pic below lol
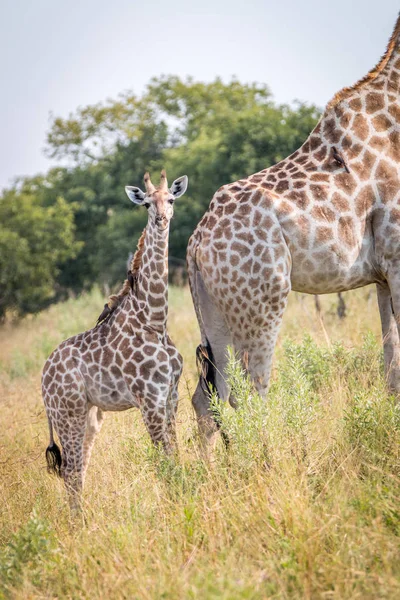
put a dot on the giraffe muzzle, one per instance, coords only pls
(161, 221)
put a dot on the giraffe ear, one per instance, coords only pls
(179, 187)
(135, 194)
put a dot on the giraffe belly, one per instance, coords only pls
(110, 393)
(330, 272)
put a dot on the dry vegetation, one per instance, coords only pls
(304, 505)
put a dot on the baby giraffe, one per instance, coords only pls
(127, 360)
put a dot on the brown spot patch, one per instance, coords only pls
(374, 102)
(378, 143)
(394, 79)
(360, 127)
(241, 249)
(388, 182)
(211, 222)
(321, 154)
(346, 231)
(359, 169)
(323, 213)
(346, 182)
(323, 234)
(394, 146)
(330, 131)
(346, 142)
(355, 104)
(223, 198)
(299, 184)
(319, 191)
(319, 177)
(299, 198)
(267, 185)
(304, 229)
(345, 120)
(340, 202)
(315, 142)
(353, 151)
(394, 110)
(230, 208)
(381, 123)
(282, 186)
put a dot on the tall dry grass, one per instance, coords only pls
(304, 505)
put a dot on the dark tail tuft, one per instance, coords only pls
(53, 458)
(206, 366)
(207, 372)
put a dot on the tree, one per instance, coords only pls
(34, 241)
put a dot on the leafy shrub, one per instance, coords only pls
(26, 554)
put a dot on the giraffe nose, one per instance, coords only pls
(159, 219)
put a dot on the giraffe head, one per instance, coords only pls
(158, 200)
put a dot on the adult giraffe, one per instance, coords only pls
(126, 361)
(326, 219)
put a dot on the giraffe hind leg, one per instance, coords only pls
(207, 381)
(67, 413)
(94, 421)
(212, 356)
(390, 337)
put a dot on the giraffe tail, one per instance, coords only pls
(53, 454)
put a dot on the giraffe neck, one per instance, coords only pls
(361, 127)
(152, 285)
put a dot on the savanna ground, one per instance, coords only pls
(304, 505)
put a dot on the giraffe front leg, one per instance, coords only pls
(173, 398)
(172, 407)
(155, 418)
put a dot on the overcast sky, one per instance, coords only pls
(58, 55)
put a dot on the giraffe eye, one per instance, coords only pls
(171, 200)
(146, 204)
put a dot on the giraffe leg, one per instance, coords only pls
(390, 335)
(260, 350)
(172, 407)
(71, 432)
(155, 420)
(67, 409)
(94, 421)
(176, 363)
(341, 309)
(219, 338)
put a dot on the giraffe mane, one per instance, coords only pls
(372, 74)
(115, 299)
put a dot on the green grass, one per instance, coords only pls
(304, 505)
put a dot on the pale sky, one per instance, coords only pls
(58, 55)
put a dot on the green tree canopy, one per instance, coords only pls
(34, 242)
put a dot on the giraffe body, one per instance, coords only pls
(126, 361)
(326, 219)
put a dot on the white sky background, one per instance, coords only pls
(57, 55)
